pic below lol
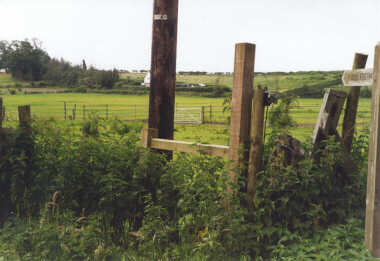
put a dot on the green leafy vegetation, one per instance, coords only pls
(92, 193)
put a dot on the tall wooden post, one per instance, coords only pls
(352, 102)
(163, 68)
(257, 144)
(372, 221)
(241, 107)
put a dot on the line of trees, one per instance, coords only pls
(26, 60)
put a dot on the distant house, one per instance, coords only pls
(147, 80)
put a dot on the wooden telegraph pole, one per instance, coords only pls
(163, 68)
(372, 222)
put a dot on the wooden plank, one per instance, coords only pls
(241, 107)
(372, 222)
(189, 147)
(352, 102)
(329, 114)
(257, 145)
(163, 68)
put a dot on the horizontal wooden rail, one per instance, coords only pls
(149, 140)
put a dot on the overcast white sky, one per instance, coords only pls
(290, 35)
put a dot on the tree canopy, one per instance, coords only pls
(25, 60)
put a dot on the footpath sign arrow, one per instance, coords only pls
(360, 77)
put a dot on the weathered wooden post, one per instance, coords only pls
(372, 222)
(241, 107)
(1, 113)
(203, 114)
(210, 120)
(352, 102)
(257, 144)
(24, 117)
(84, 112)
(329, 114)
(163, 68)
(74, 111)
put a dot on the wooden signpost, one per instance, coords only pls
(372, 222)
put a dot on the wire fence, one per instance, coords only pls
(190, 113)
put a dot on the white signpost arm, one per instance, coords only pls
(359, 77)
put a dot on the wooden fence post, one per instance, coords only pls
(210, 120)
(329, 114)
(257, 145)
(24, 117)
(74, 112)
(163, 68)
(372, 221)
(65, 110)
(147, 135)
(106, 111)
(352, 102)
(203, 114)
(1, 113)
(241, 107)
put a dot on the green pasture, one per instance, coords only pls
(274, 81)
(128, 107)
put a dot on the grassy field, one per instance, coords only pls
(274, 82)
(135, 107)
(127, 107)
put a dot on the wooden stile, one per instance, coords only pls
(352, 102)
(241, 107)
(372, 222)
